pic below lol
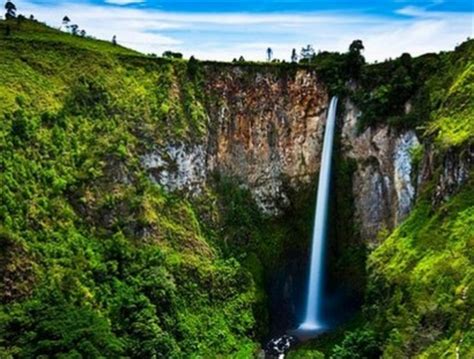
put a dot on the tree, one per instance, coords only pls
(82, 33)
(356, 46)
(172, 55)
(269, 54)
(307, 53)
(114, 40)
(66, 21)
(11, 10)
(355, 59)
(192, 68)
(74, 29)
(294, 56)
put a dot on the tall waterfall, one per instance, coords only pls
(313, 319)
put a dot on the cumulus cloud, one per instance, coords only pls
(224, 36)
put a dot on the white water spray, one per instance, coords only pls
(313, 320)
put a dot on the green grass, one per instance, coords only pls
(39, 35)
(422, 280)
(454, 121)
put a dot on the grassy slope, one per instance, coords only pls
(95, 264)
(453, 97)
(422, 280)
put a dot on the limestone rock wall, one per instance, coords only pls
(384, 183)
(265, 129)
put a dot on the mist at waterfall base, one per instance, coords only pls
(288, 289)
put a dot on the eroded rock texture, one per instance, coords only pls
(267, 132)
(384, 184)
(455, 171)
(265, 129)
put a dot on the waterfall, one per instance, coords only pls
(313, 319)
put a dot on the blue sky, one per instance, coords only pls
(212, 29)
(387, 7)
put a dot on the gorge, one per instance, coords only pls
(155, 207)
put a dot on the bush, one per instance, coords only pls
(359, 344)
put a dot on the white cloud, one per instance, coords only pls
(124, 2)
(223, 36)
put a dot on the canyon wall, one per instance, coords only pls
(265, 130)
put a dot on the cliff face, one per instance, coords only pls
(266, 130)
(385, 182)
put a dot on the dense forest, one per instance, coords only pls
(98, 260)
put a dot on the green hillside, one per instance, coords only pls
(98, 261)
(93, 264)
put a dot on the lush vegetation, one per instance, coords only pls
(432, 91)
(418, 300)
(421, 282)
(97, 260)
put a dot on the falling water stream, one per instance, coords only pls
(313, 320)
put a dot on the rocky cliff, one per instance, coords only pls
(263, 129)
(266, 129)
(385, 181)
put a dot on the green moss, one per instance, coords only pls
(420, 280)
(454, 121)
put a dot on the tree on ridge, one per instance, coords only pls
(74, 29)
(11, 10)
(294, 56)
(269, 54)
(307, 53)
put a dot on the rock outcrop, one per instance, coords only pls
(265, 129)
(384, 183)
(455, 171)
